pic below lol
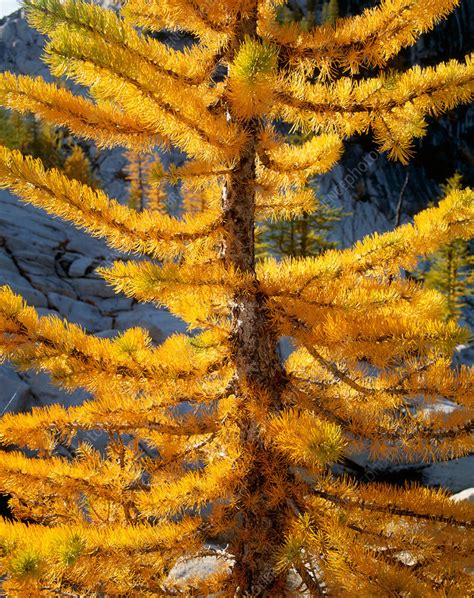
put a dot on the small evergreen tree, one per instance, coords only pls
(450, 270)
(330, 12)
(233, 428)
(42, 140)
(146, 189)
(14, 130)
(77, 166)
(32, 137)
(302, 236)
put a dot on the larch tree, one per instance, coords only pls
(330, 11)
(41, 140)
(450, 270)
(77, 166)
(211, 436)
(303, 236)
(142, 193)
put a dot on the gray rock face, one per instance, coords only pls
(90, 287)
(21, 47)
(51, 264)
(81, 267)
(456, 475)
(15, 394)
(79, 312)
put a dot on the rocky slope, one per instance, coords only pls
(51, 264)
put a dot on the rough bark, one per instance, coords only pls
(258, 368)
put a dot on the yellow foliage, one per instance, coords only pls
(212, 24)
(210, 435)
(378, 255)
(69, 554)
(293, 164)
(146, 233)
(307, 439)
(191, 490)
(394, 107)
(75, 358)
(100, 121)
(370, 39)
(176, 287)
(252, 79)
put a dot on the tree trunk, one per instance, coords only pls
(258, 368)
